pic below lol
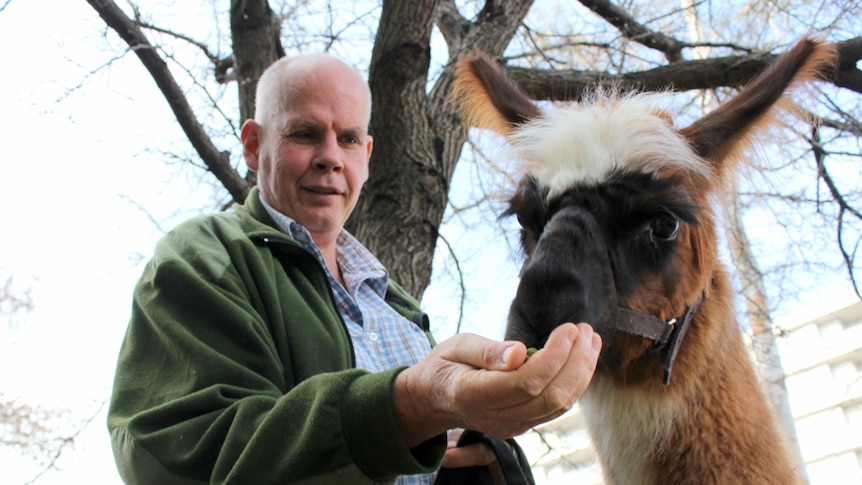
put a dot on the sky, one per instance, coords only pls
(79, 167)
(72, 176)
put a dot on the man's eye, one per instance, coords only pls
(350, 140)
(302, 137)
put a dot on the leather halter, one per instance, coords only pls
(667, 335)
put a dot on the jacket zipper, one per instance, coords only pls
(273, 241)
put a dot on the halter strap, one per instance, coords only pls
(666, 335)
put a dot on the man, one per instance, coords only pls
(266, 345)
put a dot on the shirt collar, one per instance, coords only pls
(355, 260)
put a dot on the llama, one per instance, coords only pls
(618, 222)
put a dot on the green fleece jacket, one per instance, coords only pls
(237, 368)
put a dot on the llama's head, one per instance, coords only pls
(615, 204)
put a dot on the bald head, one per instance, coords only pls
(281, 81)
(309, 143)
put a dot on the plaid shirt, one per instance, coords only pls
(382, 338)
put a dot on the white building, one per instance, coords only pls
(822, 359)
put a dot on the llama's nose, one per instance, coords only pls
(568, 278)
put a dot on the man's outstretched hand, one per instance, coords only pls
(472, 382)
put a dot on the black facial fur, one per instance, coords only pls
(607, 237)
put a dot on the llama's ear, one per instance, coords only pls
(720, 134)
(487, 98)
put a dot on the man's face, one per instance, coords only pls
(312, 159)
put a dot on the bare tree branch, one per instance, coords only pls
(565, 85)
(632, 29)
(452, 25)
(460, 282)
(222, 65)
(200, 45)
(66, 441)
(13, 300)
(31, 429)
(217, 162)
(845, 207)
(850, 128)
(703, 74)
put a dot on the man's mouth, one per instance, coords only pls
(323, 190)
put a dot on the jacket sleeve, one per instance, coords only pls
(209, 390)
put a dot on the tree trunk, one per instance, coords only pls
(403, 201)
(767, 360)
(419, 139)
(256, 34)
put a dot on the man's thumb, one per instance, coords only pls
(513, 356)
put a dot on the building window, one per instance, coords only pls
(847, 373)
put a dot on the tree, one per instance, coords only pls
(40, 432)
(32, 430)
(28, 428)
(556, 57)
(35, 431)
(14, 302)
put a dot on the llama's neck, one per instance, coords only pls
(626, 427)
(710, 425)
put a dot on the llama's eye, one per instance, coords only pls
(665, 226)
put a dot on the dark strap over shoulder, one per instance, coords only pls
(513, 463)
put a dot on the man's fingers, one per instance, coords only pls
(571, 379)
(500, 390)
(492, 355)
(482, 384)
(548, 387)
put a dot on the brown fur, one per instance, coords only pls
(712, 424)
(488, 100)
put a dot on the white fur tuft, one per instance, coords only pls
(584, 143)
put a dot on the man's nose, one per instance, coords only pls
(328, 156)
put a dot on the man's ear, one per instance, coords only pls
(250, 133)
(369, 146)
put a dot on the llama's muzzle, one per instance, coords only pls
(569, 278)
